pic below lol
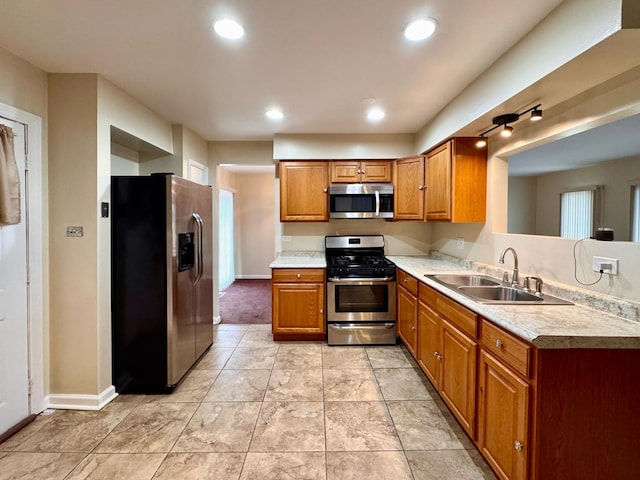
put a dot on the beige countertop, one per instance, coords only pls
(545, 326)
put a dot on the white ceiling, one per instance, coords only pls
(317, 60)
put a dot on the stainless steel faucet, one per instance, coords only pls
(514, 275)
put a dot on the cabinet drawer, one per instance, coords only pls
(297, 275)
(507, 348)
(408, 282)
(464, 319)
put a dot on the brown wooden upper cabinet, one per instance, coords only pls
(360, 171)
(304, 188)
(448, 184)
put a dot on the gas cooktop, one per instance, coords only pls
(357, 256)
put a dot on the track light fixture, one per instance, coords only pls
(504, 120)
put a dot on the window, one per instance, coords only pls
(578, 213)
(635, 213)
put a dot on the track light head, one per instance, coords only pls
(507, 131)
(482, 142)
(536, 115)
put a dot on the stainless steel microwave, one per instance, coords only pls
(361, 200)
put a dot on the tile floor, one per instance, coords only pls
(256, 409)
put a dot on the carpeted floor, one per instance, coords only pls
(246, 301)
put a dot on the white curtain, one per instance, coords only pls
(577, 213)
(9, 179)
(635, 214)
(226, 272)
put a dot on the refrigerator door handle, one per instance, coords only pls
(199, 267)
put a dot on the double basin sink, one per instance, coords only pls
(484, 289)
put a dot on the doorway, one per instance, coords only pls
(21, 287)
(247, 242)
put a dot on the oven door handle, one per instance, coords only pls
(352, 280)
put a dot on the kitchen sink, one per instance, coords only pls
(465, 280)
(484, 289)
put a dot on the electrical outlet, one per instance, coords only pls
(607, 265)
(75, 232)
(460, 243)
(286, 238)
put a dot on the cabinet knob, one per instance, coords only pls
(299, 276)
(322, 310)
(413, 328)
(498, 344)
(437, 355)
(517, 445)
(420, 187)
(406, 280)
(325, 190)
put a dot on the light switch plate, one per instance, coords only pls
(75, 231)
(460, 243)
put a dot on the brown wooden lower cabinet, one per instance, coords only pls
(298, 303)
(407, 302)
(534, 414)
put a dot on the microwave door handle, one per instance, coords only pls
(377, 203)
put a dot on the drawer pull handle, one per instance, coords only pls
(498, 344)
(517, 445)
(298, 276)
(406, 280)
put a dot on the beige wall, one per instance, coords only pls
(327, 147)
(255, 230)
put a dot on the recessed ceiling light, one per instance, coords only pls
(228, 28)
(420, 29)
(375, 114)
(274, 114)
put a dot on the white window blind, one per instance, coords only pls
(635, 213)
(577, 213)
(226, 271)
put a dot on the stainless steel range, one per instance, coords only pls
(361, 291)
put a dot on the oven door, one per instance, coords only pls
(361, 300)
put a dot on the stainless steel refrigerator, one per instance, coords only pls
(161, 280)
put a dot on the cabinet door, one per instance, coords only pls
(407, 319)
(304, 190)
(458, 383)
(429, 343)
(345, 171)
(503, 418)
(298, 308)
(373, 172)
(409, 188)
(438, 180)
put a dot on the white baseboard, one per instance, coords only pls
(65, 401)
(253, 277)
(216, 320)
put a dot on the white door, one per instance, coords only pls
(14, 342)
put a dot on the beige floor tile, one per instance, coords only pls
(193, 387)
(239, 386)
(232, 326)
(257, 338)
(149, 428)
(367, 465)
(344, 357)
(253, 358)
(132, 466)
(201, 466)
(295, 385)
(219, 427)
(289, 427)
(350, 384)
(449, 465)
(227, 338)
(422, 426)
(299, 357)
(68, 430)
(214, 359)
(360, 426)
(404, 384)
(284, 466)
(390, 357)
(37, 466)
